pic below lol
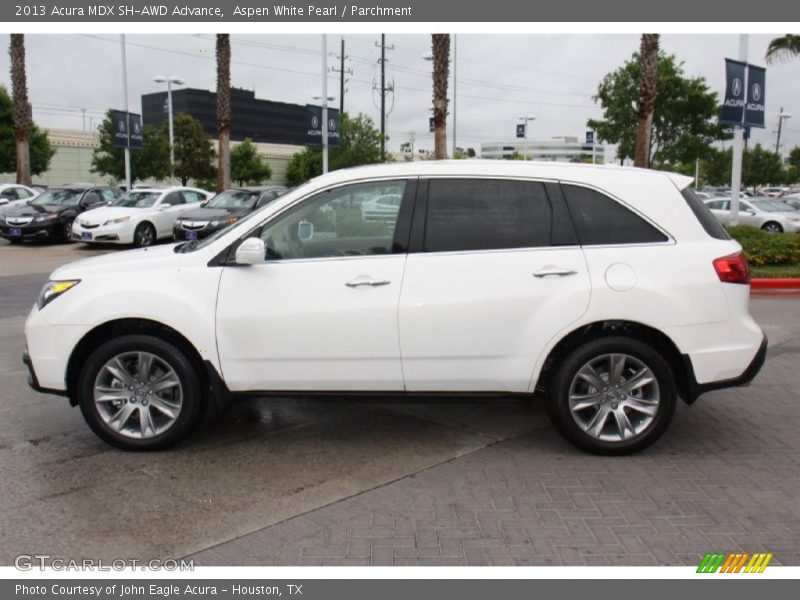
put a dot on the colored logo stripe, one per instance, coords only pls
(734, 562)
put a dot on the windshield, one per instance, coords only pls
(57, 198)
(234, 199)
(137, 200)
(771, 206)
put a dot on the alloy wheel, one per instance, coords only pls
(138, 395)
(614, 397)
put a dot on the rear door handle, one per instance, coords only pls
(367, 281)
(554, 271)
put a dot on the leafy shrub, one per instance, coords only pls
(764, 248)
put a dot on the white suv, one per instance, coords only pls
(610, 291)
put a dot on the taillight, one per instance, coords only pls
(733, 268)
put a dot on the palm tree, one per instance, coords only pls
(224, 110)
(646, 104)
(441, 69)
(783, 48)
(22, 109)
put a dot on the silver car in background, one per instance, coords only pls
(773, 216)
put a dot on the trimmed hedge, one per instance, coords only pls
(764, 248)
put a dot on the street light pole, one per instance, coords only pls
(324, 103)
(169, 81)
(525, 120)
(127, 117)
(782, 116)
(738, 143)
(455, 83)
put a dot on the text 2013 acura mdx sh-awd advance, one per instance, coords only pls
(610, 291)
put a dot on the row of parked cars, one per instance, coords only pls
(104, 214)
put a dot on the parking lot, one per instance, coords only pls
(300, 481)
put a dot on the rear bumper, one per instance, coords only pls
(695, 389)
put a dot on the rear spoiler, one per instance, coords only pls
(681, 181)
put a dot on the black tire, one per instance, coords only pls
(193, 403)
(66, 231)
(558, 395)
(144, 235)
(772, 227)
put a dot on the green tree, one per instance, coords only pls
(39, 146)
(684, 121)
(761, 167)
(247, 166)
(193, 150)
(150, 162)
(793, 167)
(360, 145)
(715, 169)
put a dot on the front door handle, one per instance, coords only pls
(554, 271)
(367, 281)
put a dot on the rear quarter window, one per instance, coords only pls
(601, 220)
(709, 222)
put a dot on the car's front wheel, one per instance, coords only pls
(140, 392)
(772, 227)
(144, 235)
(612, 395)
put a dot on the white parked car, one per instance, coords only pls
(140, 217)
(769, 214)
(15, 194)
(611, 291)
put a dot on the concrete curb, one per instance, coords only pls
(778, 283)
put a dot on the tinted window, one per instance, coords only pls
(191, 196)
(715, 205)
(602, 220)
(109, 195)
(91, 197)
(173, 199)
(344, 221)
(485, 214)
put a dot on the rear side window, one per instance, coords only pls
(601, 220)
(709, 222)
(486, 214)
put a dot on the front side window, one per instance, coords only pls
(601, 220)
(486, 214)
(351, 220)
(108, 194)
(191, 196)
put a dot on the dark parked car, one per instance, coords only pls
(222, 210)
(50, 215)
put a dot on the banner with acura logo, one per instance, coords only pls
(744, 94)
(314, 126)
(754, 110)
(128, 130)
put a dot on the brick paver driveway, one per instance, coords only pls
(725, 477)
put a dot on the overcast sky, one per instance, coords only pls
(500, 77)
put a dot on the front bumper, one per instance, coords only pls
(33, 381)
(27, 232)
(694, 389)
(182, 235)
(118, 233)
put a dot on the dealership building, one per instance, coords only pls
(277, 129)
(558, 149)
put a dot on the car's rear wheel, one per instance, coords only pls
(612, 395)
(772, 227)
(144, 235)
(140, 392)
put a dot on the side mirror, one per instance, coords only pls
(251, 252)
(203, 202)
(305, 231)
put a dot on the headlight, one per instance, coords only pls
(115, 221)
(46, 217)
(793, 219)
(53, 289)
